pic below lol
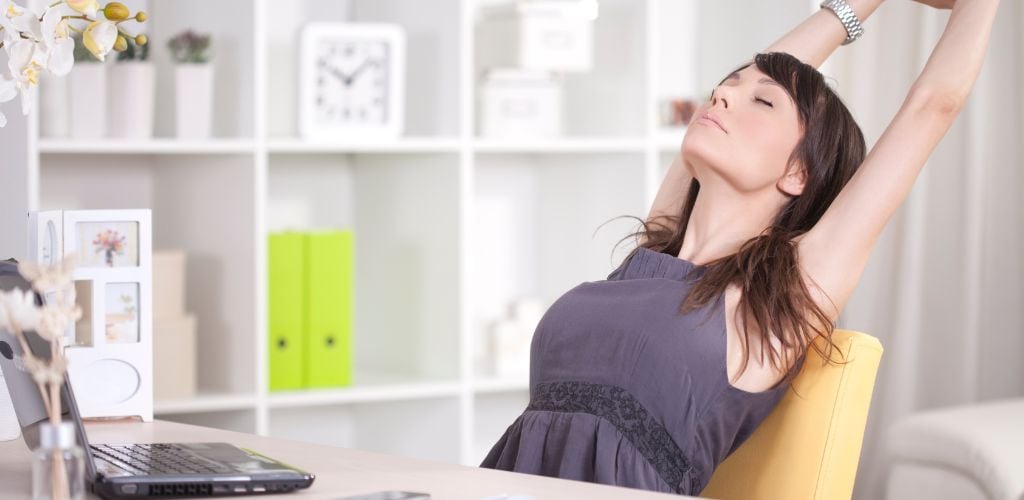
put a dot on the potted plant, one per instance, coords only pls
(131, 92)
(193, 79)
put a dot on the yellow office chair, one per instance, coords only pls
(808, 448)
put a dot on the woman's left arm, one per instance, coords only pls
(835, 251)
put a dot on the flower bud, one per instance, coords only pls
(141, 40)
(141, 17)
(116, 11)
(120, 44)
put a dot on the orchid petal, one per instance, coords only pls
(20, 55)
(99, 38)
(62, 57)
(8, 88)
(3, 123)
(51, 19)
(87, 7)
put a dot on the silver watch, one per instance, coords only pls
(845, 13)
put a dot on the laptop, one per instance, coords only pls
(140, 470)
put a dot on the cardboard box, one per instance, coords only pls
(168, 284)
(174, 358)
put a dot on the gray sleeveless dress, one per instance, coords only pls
(626, 391)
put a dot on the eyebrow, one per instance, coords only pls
(736, 76)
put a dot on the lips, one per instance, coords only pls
(714, 119)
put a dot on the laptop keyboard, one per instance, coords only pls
(149, 459)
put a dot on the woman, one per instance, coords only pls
(651, 378)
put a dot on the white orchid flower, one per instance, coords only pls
(21, 310)
(87, 7)
(99, 38)
(59, 44)
(8, 91)
(16, 19)
(25, 66)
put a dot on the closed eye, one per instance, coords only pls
(770, 105)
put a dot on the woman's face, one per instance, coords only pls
(760, 127)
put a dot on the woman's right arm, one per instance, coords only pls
(813, 40)
(672, 193)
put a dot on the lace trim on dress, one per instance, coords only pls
(620, 408)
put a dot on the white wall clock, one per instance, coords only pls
(352, 81)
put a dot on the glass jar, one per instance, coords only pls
(58, 464)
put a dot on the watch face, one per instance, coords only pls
(350, 81)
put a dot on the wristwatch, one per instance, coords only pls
(845, 13)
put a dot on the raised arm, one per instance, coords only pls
(835, 252)
(813, 40)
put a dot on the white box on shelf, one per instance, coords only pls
(520, 103)
(174, 370)
(555, 35)
(168, 284)
(109, 351)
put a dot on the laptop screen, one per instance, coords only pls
(28, 402)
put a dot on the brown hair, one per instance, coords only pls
(765, 268)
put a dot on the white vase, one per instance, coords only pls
(193, 93)
(87, 95)
(10, 429)
(130, 99)
(53, 106)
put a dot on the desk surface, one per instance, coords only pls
(339, 471)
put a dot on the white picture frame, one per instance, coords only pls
(314, 36)
(109, 351)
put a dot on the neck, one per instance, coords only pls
(724, 219)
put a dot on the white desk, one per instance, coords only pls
(339, 471)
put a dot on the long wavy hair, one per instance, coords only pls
(765, 267)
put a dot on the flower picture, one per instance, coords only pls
(109, 244)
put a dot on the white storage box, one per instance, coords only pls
(555, 35)
(174, 358)
(520, 103)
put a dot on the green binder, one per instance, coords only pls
(329, 296)
(286, 288)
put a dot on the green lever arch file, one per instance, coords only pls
(329, 300)
(286, 254)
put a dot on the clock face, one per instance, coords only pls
(351, 81)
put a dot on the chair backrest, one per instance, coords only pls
(809, 445)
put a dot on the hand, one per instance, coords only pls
(938, 4)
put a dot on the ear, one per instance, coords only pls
(793, 182)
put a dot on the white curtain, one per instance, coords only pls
(944, 288)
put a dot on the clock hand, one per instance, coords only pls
(368, 62)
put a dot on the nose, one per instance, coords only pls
(719, 96)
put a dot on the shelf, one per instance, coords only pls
(205, 403)
(364, 394)
(151, 146)
(402, 145)
(496, 385)
(562, 145)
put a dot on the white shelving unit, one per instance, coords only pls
(431, 268)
